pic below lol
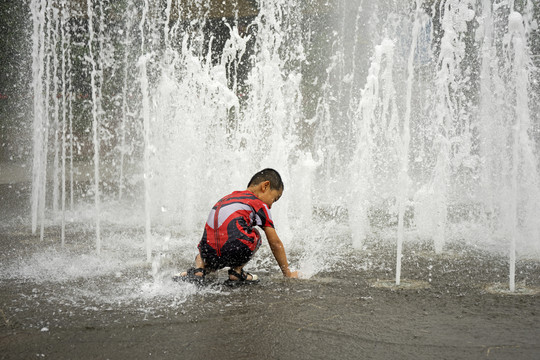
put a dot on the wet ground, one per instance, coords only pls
(69, 303)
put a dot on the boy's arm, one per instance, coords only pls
(279, 252)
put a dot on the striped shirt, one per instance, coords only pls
(234, 217)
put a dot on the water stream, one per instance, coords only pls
(395, 121)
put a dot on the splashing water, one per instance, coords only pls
(387, 120)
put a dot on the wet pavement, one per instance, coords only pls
(335, 314)
(70, 303)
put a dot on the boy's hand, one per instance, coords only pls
(293, 274)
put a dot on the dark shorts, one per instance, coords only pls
(233, 253)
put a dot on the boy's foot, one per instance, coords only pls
(191, 275)
(241, 278)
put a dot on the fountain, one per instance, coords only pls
(400, 121)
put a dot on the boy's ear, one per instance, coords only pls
(265, 185)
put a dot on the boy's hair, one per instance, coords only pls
(267, 175)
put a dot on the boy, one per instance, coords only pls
(230, 239)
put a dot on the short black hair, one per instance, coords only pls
(267, 175)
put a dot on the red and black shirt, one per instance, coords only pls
(234, 217)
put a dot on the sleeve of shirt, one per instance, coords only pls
(263, 217)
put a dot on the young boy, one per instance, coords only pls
(230, 238)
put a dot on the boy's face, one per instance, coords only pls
(270, 196)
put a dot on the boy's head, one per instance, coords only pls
(270, 175)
